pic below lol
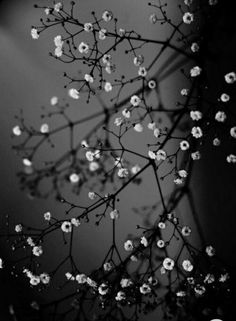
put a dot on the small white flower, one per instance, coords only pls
(178, 181)
(195, 47)
(216, 141)
(160, 244)
(92, 195)
(118, 162)
(66, 227)
(120, 296)
(44, 129)
(145, 289)
(199, 289)
(152, 84)
(220, 116)
(75, 222)
(186, 231)
(123, 172)
(37, 250)
(188, 17)
(224, 277)
(195, 71)
(97, 154)
(126, 113)
(197, 132)
(125, 283)
(88, 78)
(84, 144)
(184, 92)
(89, 155)
(34, 33)
(93, 166)
(162, 225)
(196, 155)
(231, 158)
(151, 126)
(107, 266)
(195, 115)
(153, 281)
(30, 241)
(58, 52)
(73, 93)
(144, 241)
(151, 154)
(171, 216)
(47, 216)
(168, 264)
(54, 101)
(161, 155)
(58, 7)
(230, 78)
(187, 265)
(138, 60)
(114, 215)
(74, 178)
(106, 59)
(135, 100)
(118, 121)
(58, 41)
(107, 16)
(121, 32)
(28, 273)
(181, 294)
(18, 228)
(224, 98)
(69, 276)
(27, 162)
(47, 11)
(142, 72)
(108, 87)
(91, 282)
(103, 289)
(135, 169)
(233, 132)
(81, 278)
(128, 245)
(188, 2)
(156, 132)
(182, 173)
(209, 278)
(110, 68)
(17, 130)
(88, 26)
(153, 18)
(45, 278)
(191, 280)
(83, 48)
(162, 270)
(102, 34)
(134, 258)
(210, 251)
(34, 280)
(138, 128)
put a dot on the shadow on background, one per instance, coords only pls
(29, 78)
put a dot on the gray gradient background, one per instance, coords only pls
(29, 77)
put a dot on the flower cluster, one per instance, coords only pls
(159, 266)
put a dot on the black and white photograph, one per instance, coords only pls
(118, 160)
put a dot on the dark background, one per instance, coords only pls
(29, 77)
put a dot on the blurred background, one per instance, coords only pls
(29, 78)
